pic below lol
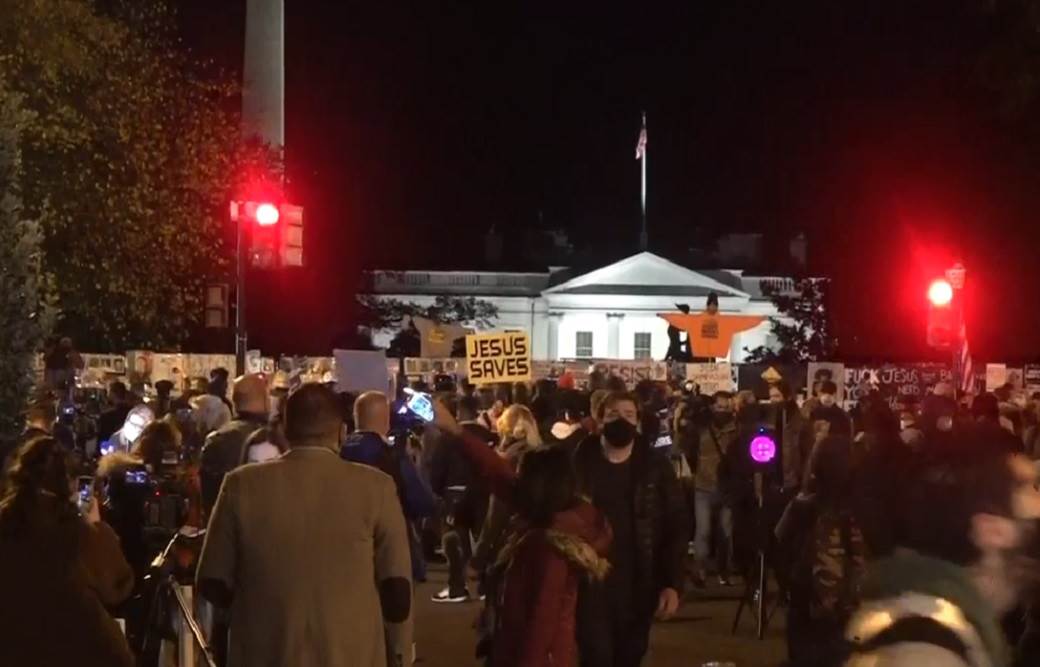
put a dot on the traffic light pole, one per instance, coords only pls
(241, 338)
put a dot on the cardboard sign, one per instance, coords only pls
(361, 370)
(498, 357)
(632, 372)
(711, 378)
(897, 383)
(996, 376)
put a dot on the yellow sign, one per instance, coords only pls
(498, 357)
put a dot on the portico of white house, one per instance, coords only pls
(608, 313)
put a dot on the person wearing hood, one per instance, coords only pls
(968, 552)
(557, 541)
(635, 487)
(570, 428)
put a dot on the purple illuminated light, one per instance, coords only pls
(763, 449)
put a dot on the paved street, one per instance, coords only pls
(700, 633)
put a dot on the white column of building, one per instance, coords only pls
(614, 335)
(554, 335)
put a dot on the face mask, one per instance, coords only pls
(619, 433)
(827, 400)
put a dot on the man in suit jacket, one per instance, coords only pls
(309, 584)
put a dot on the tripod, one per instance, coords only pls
(756, 584)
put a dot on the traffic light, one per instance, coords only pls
(274, 230)
(943, 315)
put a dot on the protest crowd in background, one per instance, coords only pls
(573, 512)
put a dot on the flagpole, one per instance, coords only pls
(644, 239)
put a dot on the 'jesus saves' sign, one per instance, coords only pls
(498, 357)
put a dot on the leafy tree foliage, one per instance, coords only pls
(130, 158)
(381, 314)
(25, 313)
(802, 331)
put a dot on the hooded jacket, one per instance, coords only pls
(536, 626)
(910, 585)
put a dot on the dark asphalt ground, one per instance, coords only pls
(700, 633)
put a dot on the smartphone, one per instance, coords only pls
(136, 477)
(85, 486)
(421, 404)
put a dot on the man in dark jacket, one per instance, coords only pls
(464, 497)
(222, 452)
(636, 488)
(112, 420)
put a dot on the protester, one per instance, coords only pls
(707, 447)
(792, 427)
(519, 435)
(218, 386)
(464, 497)
(570, 427)
(968, 554)
(307, 587)
(210, 414)
(823, 532)
(559, 541)
(58, 570)
(829, 411)
(112, 420)
(368, 445)
(223, 450)
(636, 489)
(123, 440)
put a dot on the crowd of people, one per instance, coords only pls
(895, 533)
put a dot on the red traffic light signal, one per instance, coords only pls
(266, 214)
(940, 293)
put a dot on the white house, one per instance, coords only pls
(608, 313)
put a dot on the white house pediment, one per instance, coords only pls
(645, 273)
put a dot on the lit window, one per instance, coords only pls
(583, 345)
(642, 346)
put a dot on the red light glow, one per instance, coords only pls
(266, 215)
(940, 293)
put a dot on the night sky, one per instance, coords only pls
(414, 127)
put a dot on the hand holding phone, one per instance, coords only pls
(421, 404)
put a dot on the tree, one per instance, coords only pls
(382, 314)
(25, 312)
(802, 330)
(129, 161)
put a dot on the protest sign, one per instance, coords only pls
(820, 372)
(1031, 378)
(758, 377)
(498, 357)
(361, 370)
(632, 372)
(897, 383)
(996, 376)
(711, 378)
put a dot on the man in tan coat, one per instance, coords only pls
(310, 553)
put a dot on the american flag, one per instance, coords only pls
(641, 144)
(965, 365)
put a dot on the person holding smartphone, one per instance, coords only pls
(60, 567)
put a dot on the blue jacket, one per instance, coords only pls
(370, 449)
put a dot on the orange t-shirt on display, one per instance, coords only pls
(712, 335)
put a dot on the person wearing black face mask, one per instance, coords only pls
(636, 488)
(706, 453)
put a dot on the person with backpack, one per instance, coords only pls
(824, 535)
